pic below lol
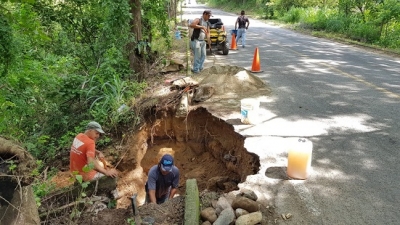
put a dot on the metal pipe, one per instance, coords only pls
(134, 206)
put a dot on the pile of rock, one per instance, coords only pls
(240, 210)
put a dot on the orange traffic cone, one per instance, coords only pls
(255, 68)
(233, 42)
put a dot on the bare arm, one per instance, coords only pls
(99, 168)
(99, 154)
(248, 23)
(195, 25)
(237, 20)
(152, 196)
(172, 193)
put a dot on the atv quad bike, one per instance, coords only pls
(218, 36)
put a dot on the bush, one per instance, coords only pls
(338, 23)
(293, 15)
(364, 32)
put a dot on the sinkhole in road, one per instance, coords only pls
(204, 147)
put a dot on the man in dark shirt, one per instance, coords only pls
(201, 34)
(163, 181)
(243, 23)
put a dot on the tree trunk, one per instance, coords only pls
(136, 30)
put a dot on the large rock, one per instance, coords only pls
(240, 212)
(249, 219)
(248, 194)
(245, 203)
(226, 217)
(221, 205)
(209, 214)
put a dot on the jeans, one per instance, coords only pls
(241, 33)
(199, 51)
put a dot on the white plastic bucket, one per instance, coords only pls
(249, 110)
(299, 159)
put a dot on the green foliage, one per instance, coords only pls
(293, 15)
(284, 6)
(268, 9)
(131, 221)
(6, 53)
(364, 32)
(11, 165)
(56, 59)
(76, 212)
(337, 24)
(391, 37)
(41, 187)
(112, 204)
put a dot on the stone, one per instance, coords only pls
(245, 203)
(222, 204)
(209, 214)
(248, 194)
(226, 217)
(240, 212)
(249, 219)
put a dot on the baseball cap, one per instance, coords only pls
(166, 162)
(95, 126)
(207, 12)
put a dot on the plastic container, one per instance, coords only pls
(177, 35)
(249, 110)
(299, 159)
(234, 32)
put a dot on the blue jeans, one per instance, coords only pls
(199, 51)
(241, 33)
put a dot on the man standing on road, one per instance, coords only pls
(163, 181)
(83, 154)
(244, 23)
(201, 32)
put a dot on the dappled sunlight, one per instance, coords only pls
(329, 61)
(348, 87)
(339, 103)
(272, 124)
(339, 175)
(297, 69)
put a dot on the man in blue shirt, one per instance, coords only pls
(163, 181)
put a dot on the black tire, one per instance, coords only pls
(225, 49)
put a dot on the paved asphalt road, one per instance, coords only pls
(344, 99)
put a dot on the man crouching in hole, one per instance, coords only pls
(163, 181)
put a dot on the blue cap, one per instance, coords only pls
(166, 162)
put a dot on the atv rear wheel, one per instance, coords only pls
(225, 48)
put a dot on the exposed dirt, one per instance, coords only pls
(205, 147)
(204, 144)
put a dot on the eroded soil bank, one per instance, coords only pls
(205, 148)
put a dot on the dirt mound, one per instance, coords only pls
(231, 84)
(231, 81)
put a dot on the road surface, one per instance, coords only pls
(345, 100)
